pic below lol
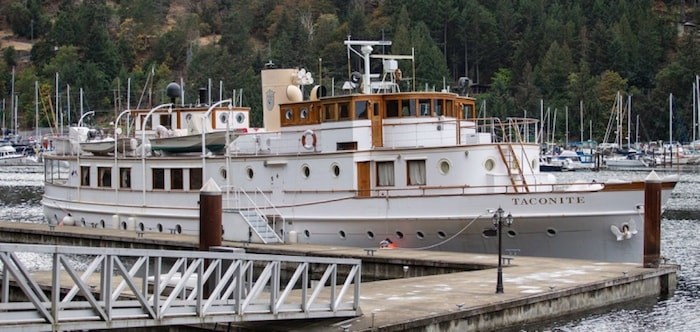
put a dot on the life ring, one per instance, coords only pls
(308, 139)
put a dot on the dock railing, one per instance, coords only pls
(98, 288)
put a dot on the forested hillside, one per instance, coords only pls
(518, 52)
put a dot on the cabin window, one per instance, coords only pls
(176, 180)
(195, 178)
(346, 146)
(444, 166)
(385, 173)
(361, 109)
(392, 108)
(158, 178)
(124, 177)
(305, 171)
(329, 112)
(165, 120)
(467, 111)
(240, 117)
(344, 110)
(249, 173)
(424, 107)
(148, 125)
(449, 110)
(408, 108)
(416, 172)
(104, 177)
(304, 113)
(85, 176)
(438, 107)
(335, 168)
(223, 117)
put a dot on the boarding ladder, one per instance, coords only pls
(258, 221)
(511, 161)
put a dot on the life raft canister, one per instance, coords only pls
(308, 139)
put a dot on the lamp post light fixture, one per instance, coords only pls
(498, 221)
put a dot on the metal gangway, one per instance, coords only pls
(101, 288)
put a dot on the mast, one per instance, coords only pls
(36, 110)
(670, 118)
(566, 129)
(13, 105)
(580, 107)
(629, 119)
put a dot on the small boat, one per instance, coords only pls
(10, 156)
(100, 147)
(215, 142)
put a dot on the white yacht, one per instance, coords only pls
(355, 169)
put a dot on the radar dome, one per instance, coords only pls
(172, 91)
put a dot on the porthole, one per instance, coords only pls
(489, 233)
(159, 227)
(240, 117)
(399, 234)
(82, 222)
(304, 113)
(223, 172)
(370, 235)
(250, 173)
(188, 117)
(305, 171)
(281, 232)
(142, 227)
(512, 233)
(551, 232)
(222, 232)
(441, 234)
(102, 223)
(335, 168)
(420, 235)
(341, 234)
(124, 225)
(307, 233)
(288, 114)
(444, 166)
(178, 229)
(489, 164)
(223, 117)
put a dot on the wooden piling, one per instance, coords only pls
(209, 216)
(652, 220)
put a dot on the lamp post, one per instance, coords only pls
(498, 221)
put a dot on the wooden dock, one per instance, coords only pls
(422, 290)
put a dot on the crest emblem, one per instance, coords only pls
(269, 100)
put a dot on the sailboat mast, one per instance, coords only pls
(629, 120)
(580, 107)
(670, 118)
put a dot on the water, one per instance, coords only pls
(22, 187)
